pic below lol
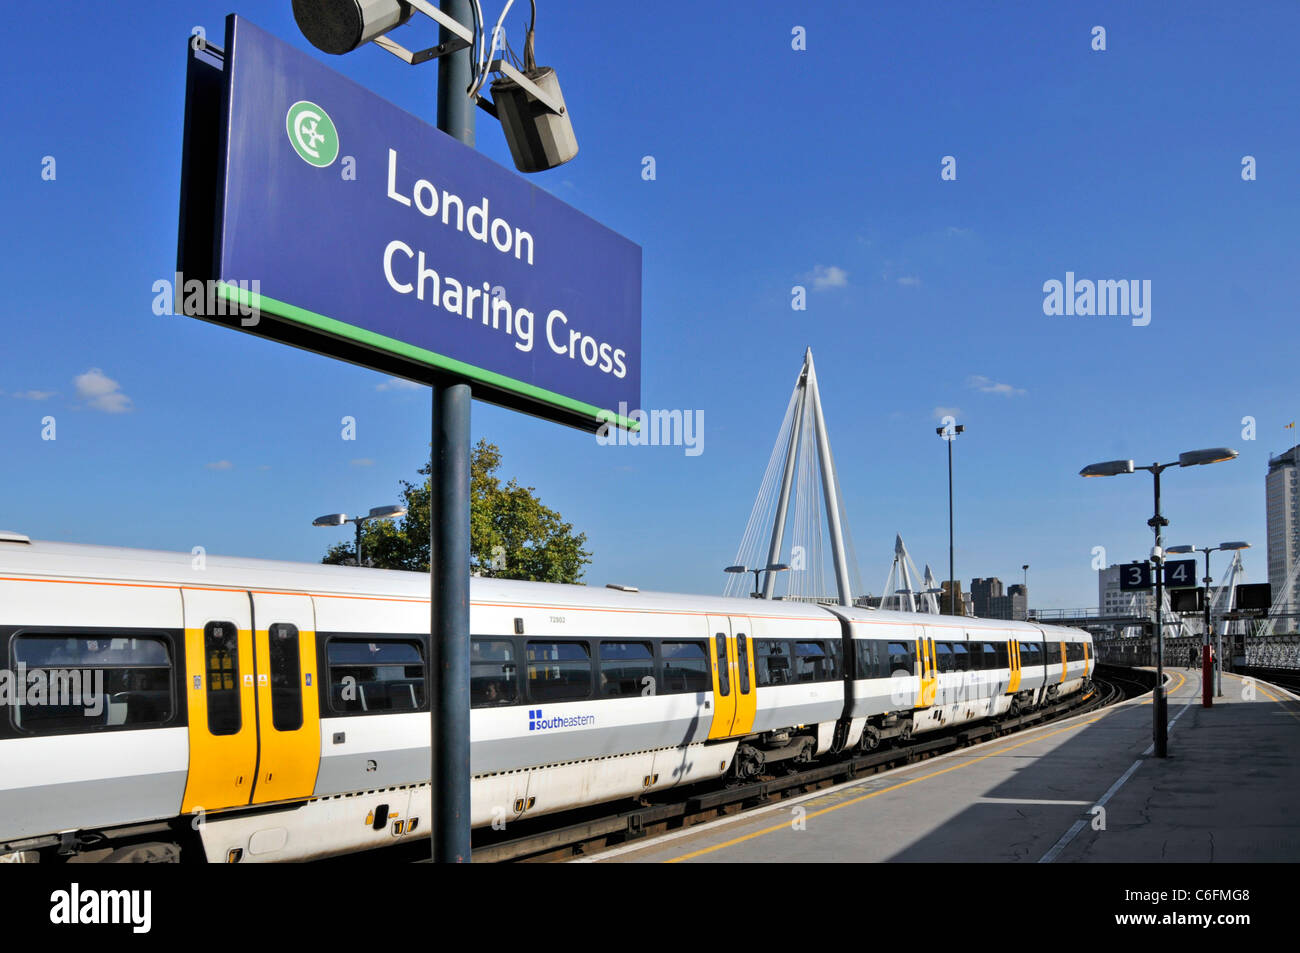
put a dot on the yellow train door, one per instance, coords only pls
(746, 690)
(220, 699)
(929, 670)
(1013, 655)
(287, 697)
(722, 663)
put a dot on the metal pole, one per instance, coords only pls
(787, 480)
(358, 523)
(449, 539)
(829, 491)
(1160, 729)
(1206, 699)
(952, 579)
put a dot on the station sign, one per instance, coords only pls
(330, 219)
(1180, 574)
(1134, 576)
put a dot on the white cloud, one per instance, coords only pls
(986, 385)
(220, 465)
(363, 462)
(941, 412)
(398, 383)
(102, 392)
(911, 281)
(955, 232)
(35, 394)
(831, 276)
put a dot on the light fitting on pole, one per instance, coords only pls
(528, 103)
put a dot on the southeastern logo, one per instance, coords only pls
(312, 133)
(537, 723)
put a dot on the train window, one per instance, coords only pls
(558, 671)
(772, 661)
(724, 681)
(989, 656)
(686, 667)
(373, 674)
(943, 652)
(624, 668)
(1001, 653)
(493, 673)
(1053, 653)
(866, 657)
(89, 681)
(1030, 654)
(286, 678)
(813, 663)
(1074, 651)
(742, 658)
(902, 658)
(975, 655)
(961, 661)
(221, 659)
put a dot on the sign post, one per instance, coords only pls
(317, 214)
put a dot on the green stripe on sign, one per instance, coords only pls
(290, 312)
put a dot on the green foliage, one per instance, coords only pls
(511, 534)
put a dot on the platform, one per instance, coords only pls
(1083, 789)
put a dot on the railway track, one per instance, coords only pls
(579, 833)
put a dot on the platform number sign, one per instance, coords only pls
(1135, 576)
(1180, 574)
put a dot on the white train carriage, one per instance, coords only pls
(256, 710)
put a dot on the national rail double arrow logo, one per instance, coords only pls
(312, 133)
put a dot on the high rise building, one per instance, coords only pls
(1112, 600)
(1283, 521)
(982, 593)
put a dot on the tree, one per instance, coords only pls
(512, 535)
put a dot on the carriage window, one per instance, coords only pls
(814, 663)
(742, 656)
(943, 652)
(960, 657)
(772, 660)
(865, 658)
(902, 658)
(686, 667)
(724, 682)
(975, 653)
(990, 655)
(625, 667)
(372, 674)
(92, 681)
(286, 679)
(1002, 654)
(1053, 653)
(493, 673)
(1030, 654)
(559, 671)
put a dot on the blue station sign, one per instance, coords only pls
(328, 218)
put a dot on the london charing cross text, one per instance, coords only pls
(407, 272)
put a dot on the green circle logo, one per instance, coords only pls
(312, 133)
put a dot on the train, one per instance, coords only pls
(168, 706)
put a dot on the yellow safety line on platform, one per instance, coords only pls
(826, 810)
(1280, 701)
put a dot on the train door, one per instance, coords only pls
(1013, 657)
(929, 668)
(287, 697)
(745, 688)
(722, 663)
(221, 699)
(1065, 662)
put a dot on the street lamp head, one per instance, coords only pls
(735, 569)
(777, 567)
(1180, 549)
(1198, 458)
(1109, 468)
(340, 26)
(386, 512)
(1231, 546)
(332, 519)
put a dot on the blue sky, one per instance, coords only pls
(772, 166)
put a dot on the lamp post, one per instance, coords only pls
(377, 513)
(1218, 667)
(1193, 458)
(774, 567)
(949, 433)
